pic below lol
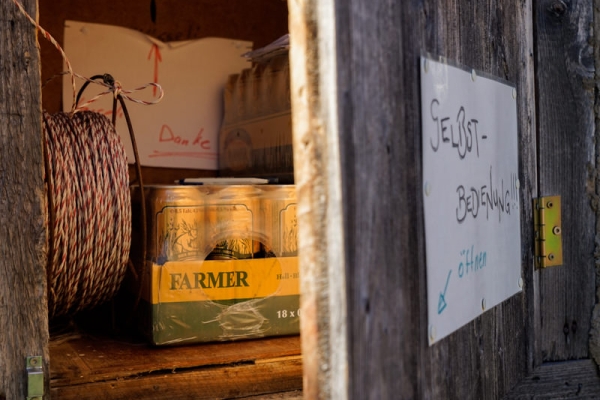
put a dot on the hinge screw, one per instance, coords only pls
(551, 256)
(556, 230)
(550, 204)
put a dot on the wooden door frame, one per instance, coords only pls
(567, 60)
(23, 307)
(318, 186)
(317, 65)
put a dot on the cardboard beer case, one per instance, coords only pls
(220, 264)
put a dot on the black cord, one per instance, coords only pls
(107, 78)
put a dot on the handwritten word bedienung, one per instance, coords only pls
(473, 262)
(470, 201)
(462, 134)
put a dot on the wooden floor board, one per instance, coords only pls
(99, 367)
(294, 395)
(577, 379)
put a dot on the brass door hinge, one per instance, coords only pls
(35, 378)
(548, 229)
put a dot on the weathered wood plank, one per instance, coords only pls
(210, 383)
(595, 323)
(565, 76)
(313, 66)
(376, 128)
(295, 395)
(95, 358)
(384, 212)
(23, 309)
(560, 380)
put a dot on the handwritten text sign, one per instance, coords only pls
(181, 131)
(471, 194)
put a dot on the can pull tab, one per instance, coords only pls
(35, 378)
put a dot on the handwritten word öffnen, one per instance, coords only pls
(474, 261)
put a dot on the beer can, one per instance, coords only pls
(232, 215)
(196, 222)
(278, 220)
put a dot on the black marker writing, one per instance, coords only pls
(484, 197)
(461, 133)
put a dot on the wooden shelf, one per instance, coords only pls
(97, 367)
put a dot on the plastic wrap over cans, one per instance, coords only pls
(220, 264)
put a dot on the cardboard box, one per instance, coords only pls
(256, 135)
(221, 263)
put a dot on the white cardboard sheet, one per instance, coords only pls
(471, 194)
(182, 130)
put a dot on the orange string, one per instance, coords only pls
(116, 89)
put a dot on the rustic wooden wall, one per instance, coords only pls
(369, 125)
(23, 308)
(566, 120)
(317, 177)
(380, 138)
(595, 324)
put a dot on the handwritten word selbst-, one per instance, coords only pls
(460, 133)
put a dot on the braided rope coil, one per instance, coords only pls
(88, 192)
(87, 179)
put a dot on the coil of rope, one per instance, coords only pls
(89, 207)
(90, 214)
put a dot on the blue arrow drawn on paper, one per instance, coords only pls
(442, 301)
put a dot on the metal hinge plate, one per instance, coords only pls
(548, 230)
(35, 378)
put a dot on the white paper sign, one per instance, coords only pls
(471, 194)
(182, 130)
